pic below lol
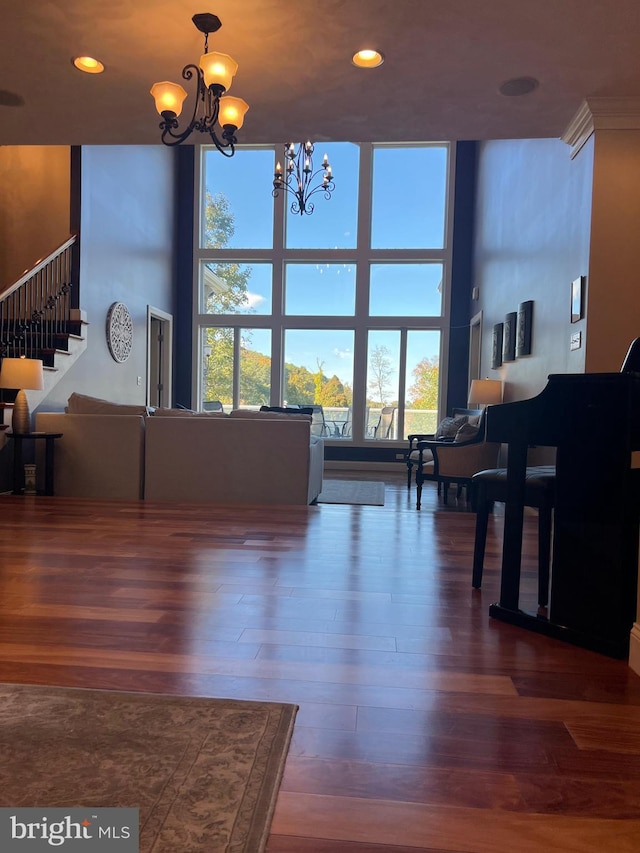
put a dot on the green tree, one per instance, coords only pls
(423, 394)
(380, 371)
(255, 378)
(299, 385)
(225, 292)
(226, 287)
(318, 380)
(334, 393)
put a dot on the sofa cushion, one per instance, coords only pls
(81, 404)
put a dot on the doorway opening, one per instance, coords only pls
(159, 357)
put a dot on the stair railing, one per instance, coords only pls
(35, 311)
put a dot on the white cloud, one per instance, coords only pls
(252, 300)
(343, 353)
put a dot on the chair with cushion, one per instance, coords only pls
(458, 460)
(446, 431)
(491, 485)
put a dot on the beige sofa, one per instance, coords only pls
(232, 460)
(248, 458)
(98, 456)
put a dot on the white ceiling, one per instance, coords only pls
(445, 61)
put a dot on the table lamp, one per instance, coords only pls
(21, 373)
(485, 392)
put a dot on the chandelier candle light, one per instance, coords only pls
(213, 78)
(300, 177)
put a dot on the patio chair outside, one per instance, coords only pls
(318, 424)
(385, 422)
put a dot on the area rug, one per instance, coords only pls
(204, 773)
(352, 492)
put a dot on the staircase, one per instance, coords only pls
(38, 320)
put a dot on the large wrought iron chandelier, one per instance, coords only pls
(300, 177)
(213, 78)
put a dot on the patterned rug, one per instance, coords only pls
(352, 492)
(203, 772)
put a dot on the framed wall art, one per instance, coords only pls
(509, 340)
(525, 328)
(577, 298)
(496, 353)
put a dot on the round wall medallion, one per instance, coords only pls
(119, 331)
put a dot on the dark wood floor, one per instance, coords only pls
(423, 726)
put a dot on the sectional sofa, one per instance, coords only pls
(172, 455)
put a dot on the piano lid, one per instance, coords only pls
(573, 408)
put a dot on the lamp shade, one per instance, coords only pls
(218, 68)
(168, 96)
(22, 373)
(232, 111)
(485, 392)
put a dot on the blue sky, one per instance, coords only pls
(246, 180)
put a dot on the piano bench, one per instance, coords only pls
(491, 485)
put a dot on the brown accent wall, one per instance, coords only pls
(613, 318)
(532, 236)
(34, 205)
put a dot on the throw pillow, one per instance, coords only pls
(448, 427)
(264, 416)
(81, 404)
(185, 413)
(288, 410)
(466, 433)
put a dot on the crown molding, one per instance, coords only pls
(579, 129)
(597, 113)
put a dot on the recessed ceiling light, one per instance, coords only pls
(367, 58)
(519, 86)
(88, 64)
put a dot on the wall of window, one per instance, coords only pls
(346, 309)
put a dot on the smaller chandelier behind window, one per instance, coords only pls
(299, 178)
(213, 78)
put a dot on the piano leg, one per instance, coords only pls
(513, 520)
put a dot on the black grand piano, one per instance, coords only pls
(593, 420)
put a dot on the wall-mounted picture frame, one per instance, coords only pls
(577, 298)
(525, 328)
(509, 338)
(496, 352)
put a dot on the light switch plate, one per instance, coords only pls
(575, 342)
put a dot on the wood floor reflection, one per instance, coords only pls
(423, 726)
